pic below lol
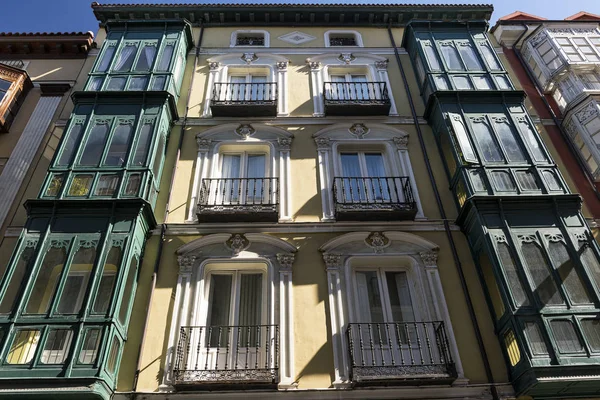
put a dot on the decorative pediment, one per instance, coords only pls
(359, 130)
(244, 132)
(369, 243)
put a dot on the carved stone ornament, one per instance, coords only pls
(296, 37)
(285, 260)
(282, 65)
(213, 66)
(314, 65)
(527, 238)
(401, 141)
(186, 263)
(581, 237)
(249, 58)
(556, 237)
(203, 144)
(377, 241)
(358, 130)
(332, 261)
(500, 238)
(284, 143)
(589, 111)
(323, 143)
(429, 258)
(245, 130)
(571, 129)
(237, 243)
(381, 64)
(88, 244)
(346, 58)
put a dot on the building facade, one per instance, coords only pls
(319, 201)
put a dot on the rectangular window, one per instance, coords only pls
(126, 57)
(4, 87)
(128, 291)
(106, 185)
(119, 145)
(109, 50)
(342, 39)
(146, 57)
(94, 146)
(89, 348)
(71, 143)
(55, 185)
(250, 39)
(113, 354)
(81, 185)
(591, 330)
(112, 266)
(165, 57)
(14, 285)
(566, 337)
(536, 340)
(537, 267)
(485, 138)
(56, 348)
(47, 278)
(23, 347)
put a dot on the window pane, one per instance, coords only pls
(82, 264)
(141, 151)
(111, 364)
(489, 57)
(591, 262)
(16, 280)
(448, 152)
(4, 85)
(369, 297)
(89, 349)
(503, 82)
(507, 137)
(107, 282)
(250, 306)
(512, 276)
(469, 56)
(483, 135)
(463, 138)
(462, 82)
(129, 290)
(400, 301)
(551, 180)
(219, 308)
(116, 83)
(138, 83)
(512, 347)
(55, 185)
(566, 337)
(70, 144)
(144, 62)
(432, 59)
(106, 57)
(81, 184)
(106, 186)
(23, 346)
(503, 181)
(47, 278)
(96, 83)
(133, 185)
(125, 58)
(565, 266)
(56, 349)
(527, 180)
(450, 55)
(591, 330)
(159, 83)
(536, 265)
(530, 138)
(160, 152)
(165, 57)
(95, 145)
(117, 151)
(536, 340)
(482, 82)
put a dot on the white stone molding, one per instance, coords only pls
(296, 37)
(24, 151)
(411, 253)
(272, 65)
(392, 142)
(189, 306)
(357, 37)
(234, 35)
(279, 142)
(323, 65)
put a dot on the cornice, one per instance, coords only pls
(45, 45)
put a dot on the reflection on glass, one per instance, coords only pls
(94, 145)
(55, 185)
(23, 346)
(57, 346)
(47, 279)
(16, 280)
(70, 145)
(107, 185)
(119, 144)
(89, 349)
(81, 184)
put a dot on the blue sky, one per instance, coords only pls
(76, 15)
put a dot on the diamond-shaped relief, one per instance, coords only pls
(296, 37)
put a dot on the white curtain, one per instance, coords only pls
(250, 310)
(337, 90)
(351, 186)
(228, 191)
(257, 189)
(145, 61)
(219, 308)
(360, 89)
(236, 90)
(259, 88)
(126, 57)
(379, 186)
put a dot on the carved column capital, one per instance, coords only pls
(401, 141)
(332, 261)
(213, 65)
(323, 143)
(313, 65)
(429, 258)
(203, 144)
(284, 143)
(282, 65)
(186, 263)
(381, 65)
(285, 261)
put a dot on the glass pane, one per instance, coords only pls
(81, 184)
(96, 83)
(591, 263)
(503, 181)
(512, 347)
(566, 268)
(138, 83)
(369, 297)
(530, 138)
(512, 276)
(503, 82)
(133, 185)
(450, 55)
(129, 290)
(82, 264)
(257, 189)
(463, 138)
(165, 57)
(13, 287)
(536, 340)
(527, 180)
(432, 59)
(566, 337)
(400, 301)
(106, 57)
(146, 58)
(353, 189)
(462, 82)
(111, 364)
(56, 349)
(250, 306)
(106, 186)
(47, 278)
(160, 152)
(551, 180)
(89, 349)
(469, 56)
(141, 151)
(543, 283)
(489, 56)
(126, 57)
(95, 145)
(4, 85)
(489, 147)
(117, 151)
(441, 83)
(159, 83)
(107, 282)
(219, 305)
(591, 330)
(492, 285)
(116, 83)
(55, 185)
(23, 346)
(70, 145)
(508, 140)
(481, 82)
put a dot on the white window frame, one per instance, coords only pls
(390, 141)
(244, 151)
(403, 251)
(333, 32)
(217, 252)
(234, 36)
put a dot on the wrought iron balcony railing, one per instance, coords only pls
(356, 98)
(402, 351)
(227, 355)
(244, 99)
(250, 41)
(342, 41)
(373, 197)
(239, 199)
